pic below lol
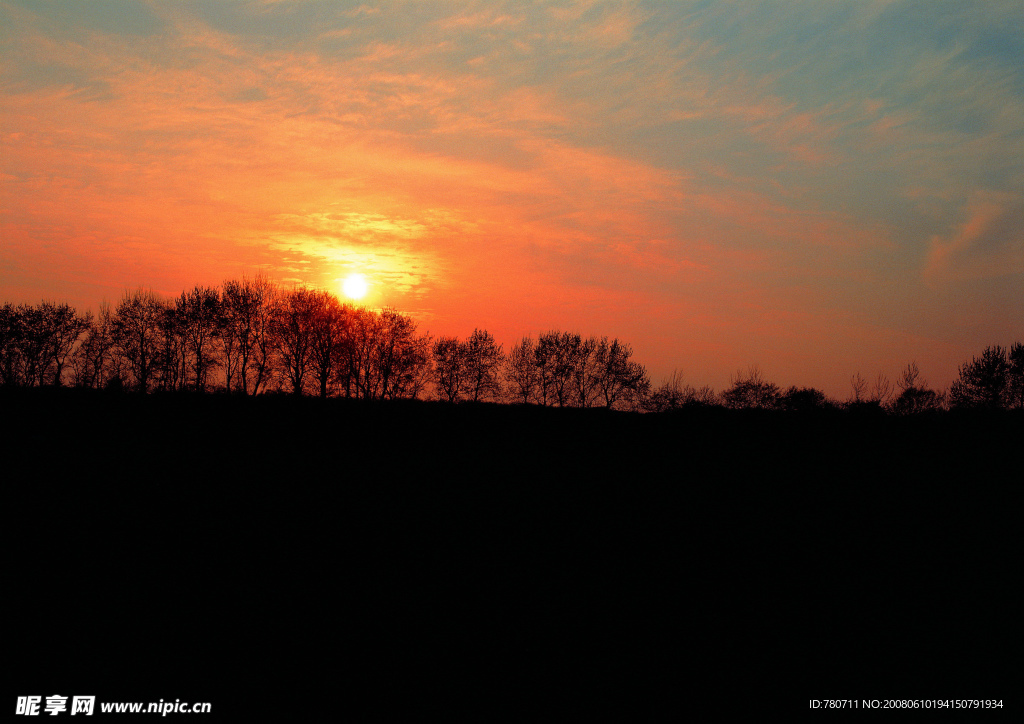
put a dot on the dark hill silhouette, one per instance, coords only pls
(281, 554)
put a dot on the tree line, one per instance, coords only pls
(994, 380)
(252, 336)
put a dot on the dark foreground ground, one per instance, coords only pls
(298, 560)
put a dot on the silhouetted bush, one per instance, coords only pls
(675, 394)
(915, 396)
(804, 399)
(751, 392)
(991, 381)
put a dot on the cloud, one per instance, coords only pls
(988, 243)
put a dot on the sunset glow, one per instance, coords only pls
(354, 286)
(816, 188)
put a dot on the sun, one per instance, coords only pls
(354, 286)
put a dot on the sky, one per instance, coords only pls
(814, 187)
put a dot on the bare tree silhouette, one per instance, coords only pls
(387, 359)
(521, 372)
(137, 335)
(860, 386)
(564, 369)
(328, 327)
(11, 335)
(483, 360)
(63, 328)
(29, 335)
(93, 362)
(200, 325)
(910, 378)
(618, 377)
(449, 368)
(293, 335)
(881, 390)
(249, 308)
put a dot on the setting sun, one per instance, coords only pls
(354, 286)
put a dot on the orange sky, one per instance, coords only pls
(815, 188)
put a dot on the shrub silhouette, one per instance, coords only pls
(915, 397)
(804, 399)
(751, 392)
